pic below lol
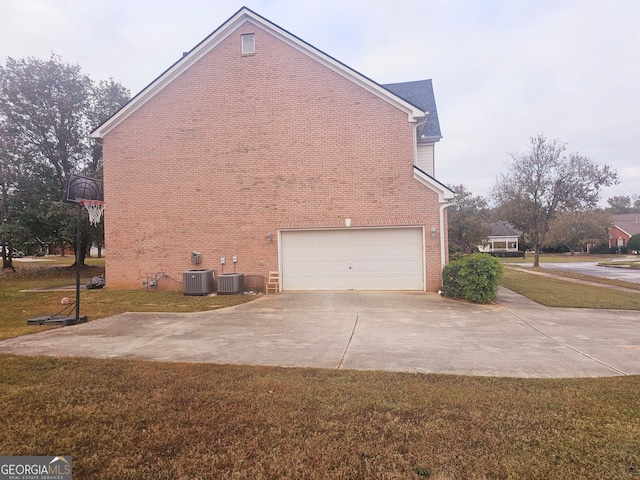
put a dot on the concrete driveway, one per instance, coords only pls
(395, 331)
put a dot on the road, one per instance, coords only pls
(591, 268)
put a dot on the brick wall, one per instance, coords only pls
(614, 234)
(239, 146)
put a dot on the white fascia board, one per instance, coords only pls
(623, 231)
(431, 139)
(177, 69)
(220, 35)
(444, 194)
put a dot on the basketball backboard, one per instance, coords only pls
(79, 188)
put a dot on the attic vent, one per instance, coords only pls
(248, 44)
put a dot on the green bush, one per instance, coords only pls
(474, 278)
(599, 249)
(634, 242)
(451, 280)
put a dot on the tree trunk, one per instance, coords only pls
(536, 256)
(84, 242)
(7, 259)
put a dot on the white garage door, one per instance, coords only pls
(353, 259)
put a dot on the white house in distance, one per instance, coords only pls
(503, 239)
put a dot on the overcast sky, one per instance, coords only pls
(502, 70)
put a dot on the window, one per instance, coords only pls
(248, 44)
(499, 245)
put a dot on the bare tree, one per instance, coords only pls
(545, 181)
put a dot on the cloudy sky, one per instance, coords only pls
(503, 70)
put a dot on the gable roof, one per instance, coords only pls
(413, 111)
(421, 95)
(629, 223)
(445, 194)
(503, 229)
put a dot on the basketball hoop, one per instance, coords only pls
(95, 209)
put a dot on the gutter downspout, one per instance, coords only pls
(443, 257)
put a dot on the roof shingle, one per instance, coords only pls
(628, 222)
(420, 94)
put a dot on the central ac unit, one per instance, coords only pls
(230, 283)
(197, 282)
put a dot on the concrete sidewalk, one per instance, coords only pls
(395, 331)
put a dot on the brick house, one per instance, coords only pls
(258, 147)
(624, 227)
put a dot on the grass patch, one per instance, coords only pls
(558, 258)
(592, 279)
(553, 292)
(134, 419)
(16, 306)
(622, 263)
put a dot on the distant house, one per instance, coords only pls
(503, 239)
(624, 227)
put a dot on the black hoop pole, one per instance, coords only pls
(78, 247)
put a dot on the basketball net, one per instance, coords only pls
(95, 209)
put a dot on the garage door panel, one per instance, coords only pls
(358, 259)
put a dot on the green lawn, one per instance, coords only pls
(17, 306)
(622, 263)
(559, 258)
(553, 292)
(147, 420)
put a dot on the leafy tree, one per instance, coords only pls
(50, 108)
(634, 242)
(619, 204)
(624, 204)
(467, 220)
(544, 182)
(577, 228)
(107, 97)
(8, 174)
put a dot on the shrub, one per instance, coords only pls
(602, 248)
(480, 277)
(634, 242)
(457, 256)
(451, 279)
(555, 249)
(474, 277)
